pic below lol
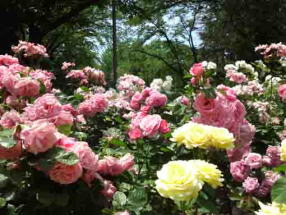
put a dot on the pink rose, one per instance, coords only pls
(65, 174)
(88, 159)
(156, 99)
(113, 166)
(135, 134)
(238, 153)
(266, 185)
(239, 170)
(282, 91)
(10, 119)
(253, 160)
(272, 157)
(11, 153)
(164, 127)
(184, 100)
(250, 184)
(150, 125)
(15, 102)
(236, 77)
(246, 134)
(108, 189)
(97, 103)
(136, 100)
(27, 87)
(40, 137)
(197, 69)
(8, 60)
(63, 118)
(204, 105)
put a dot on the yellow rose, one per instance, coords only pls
(222, 138)
(283, 151)
(272, 209)
(177, 181)
(203, 136)
(208, 172)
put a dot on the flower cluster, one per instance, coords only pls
(182, 180)
(198, 70)
(85, 75)
(273, 50)
(30, 49)
(129, 84)
(159, 85)
(203, 136)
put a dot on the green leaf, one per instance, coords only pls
(206, 204)
(65, 129)
(281, 168)
(2, 202)
(6, 139)
(3, 180)
(118, 142)
(61, 199)
(278, 193)
(68, 158)
(119, 199)
(138, 197)
(42, 88)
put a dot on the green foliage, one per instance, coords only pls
(6, 139)
(278, 193)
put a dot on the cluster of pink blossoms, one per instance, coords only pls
(30, 49)
(282, 91)
(244, 171)
(38, 124)
(234, 75)
(129, 84)
(272, 50)
(198, 70)
(85, 75)
(149, 97)
(21, 81)
(228, 112)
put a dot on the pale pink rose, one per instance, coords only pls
(27, 87)
(239, 170)
(97, 103)
(197, 69)
(254, 160)
(76, 74)
(250, 184)
(80, 119)
(113, 166)
(108, 189)
(228, 92)
(30, 49)
(282, 91)
(122, 213)
(184, 100)
(156, 99)
(95, 75)
(88, 159)
(65, 174)
(10, 119)
(135, 134)
(69, 108)
(40, 137)
(164, 127)
(9, 81)
(150, 125)
(44, 107)
(11, 153)
(15, 102)
(63, 118)
(8, 60)
(236, 77)
(66, 65)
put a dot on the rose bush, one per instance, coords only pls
(210, 148)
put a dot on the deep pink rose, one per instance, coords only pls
(254, 160)
(65, 174)
(156, 99)
(136, 100)
(164, 127)
(197, 69)
(184, 100)
(250, 184)
(40, 137)
(239, 170)
(135, 134)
